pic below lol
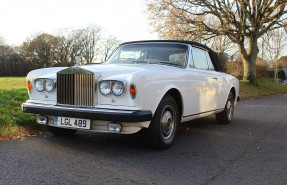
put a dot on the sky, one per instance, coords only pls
(124, 19)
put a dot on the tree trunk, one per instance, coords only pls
(275, 71)
(249, 60)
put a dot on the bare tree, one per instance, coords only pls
(2, 41)
(46, 50)
(222, 44)
(62, 49)
(224, 48)
(242, 21)
(109, 45)
(76, 47)
(67, 47)
(90, 38)
(275, 43)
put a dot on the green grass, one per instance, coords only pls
(9, 83)
(13, 93)
(265, 87)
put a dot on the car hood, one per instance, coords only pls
(116, 69)
(106, 71)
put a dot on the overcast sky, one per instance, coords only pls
(124, 19)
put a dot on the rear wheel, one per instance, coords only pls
(61, 131)
(163, 127)
(226, 115)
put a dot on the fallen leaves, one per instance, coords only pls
(20, 135)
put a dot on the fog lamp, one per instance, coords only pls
(43, 120)
(114, 127)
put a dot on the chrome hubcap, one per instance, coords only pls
(229, 109)
(167, 122)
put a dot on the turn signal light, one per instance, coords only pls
(29, 86)
(133, 91)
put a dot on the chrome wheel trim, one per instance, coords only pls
(167, 122)
(229, 108)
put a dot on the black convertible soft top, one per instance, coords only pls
(212, 54)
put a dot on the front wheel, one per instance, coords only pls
(61, 131)
(163, 127)
(226, 115)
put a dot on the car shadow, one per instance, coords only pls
(188, 133)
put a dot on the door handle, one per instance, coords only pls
(214, 78)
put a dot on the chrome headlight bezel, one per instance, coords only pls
(108, 87)
(118, 88)
(49, 85)
(39, 85)
(111, 88)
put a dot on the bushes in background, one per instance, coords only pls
(263, 71)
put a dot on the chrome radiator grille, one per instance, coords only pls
(75, 89)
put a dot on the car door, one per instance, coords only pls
(216, 86)
(200, 97)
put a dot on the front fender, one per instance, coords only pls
(154, 92)
(234, 83)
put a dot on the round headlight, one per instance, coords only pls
(50, 85)
(40, 85)
(118, 88)
(105, 88)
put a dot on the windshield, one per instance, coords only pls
(153, 53)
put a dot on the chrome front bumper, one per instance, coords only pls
(88, 113)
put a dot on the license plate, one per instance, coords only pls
(72, 122)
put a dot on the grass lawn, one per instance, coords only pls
(265, 87)
(13, 93)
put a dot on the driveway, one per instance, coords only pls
(250, 150)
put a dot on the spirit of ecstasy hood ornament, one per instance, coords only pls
(78, 61)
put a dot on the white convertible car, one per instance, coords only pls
(146, 85)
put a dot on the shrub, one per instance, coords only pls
(236, 68)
